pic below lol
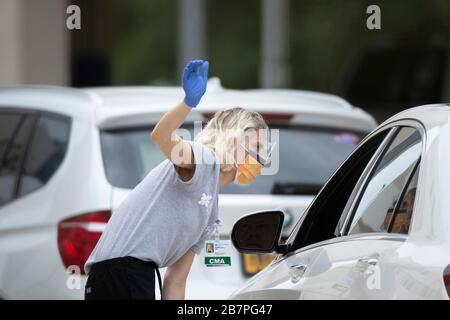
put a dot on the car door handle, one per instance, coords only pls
(368, 261)
(297, 271)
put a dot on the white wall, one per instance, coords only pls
(34, 42)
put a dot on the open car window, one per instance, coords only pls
(373, 191)
(323, 215)
(402, 215)
(374, 209)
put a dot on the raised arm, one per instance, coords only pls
(195, 77)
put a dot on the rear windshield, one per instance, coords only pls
(308, 156)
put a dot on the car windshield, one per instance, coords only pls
(307, 157)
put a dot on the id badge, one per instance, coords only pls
(217, 251)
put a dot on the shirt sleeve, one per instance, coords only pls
(205, 164)
(198, 247)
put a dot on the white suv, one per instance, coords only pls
(70, 156)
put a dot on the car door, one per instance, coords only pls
(32, 147)
(291, 273)
(370, 205)
(375, 226)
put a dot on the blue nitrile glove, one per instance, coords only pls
(195, 77)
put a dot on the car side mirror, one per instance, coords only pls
(259, 232)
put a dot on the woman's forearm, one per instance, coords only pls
(174, 291)
(170, 121)
(176, 275)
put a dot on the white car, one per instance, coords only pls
(379, 228)
(70, 156)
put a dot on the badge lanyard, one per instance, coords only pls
(217, 251)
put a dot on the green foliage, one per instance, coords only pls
(145, 42)
(326, 37)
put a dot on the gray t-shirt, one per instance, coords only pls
(163, 217)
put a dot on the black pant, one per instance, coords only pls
(122, 279)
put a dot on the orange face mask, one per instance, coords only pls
(247, 171)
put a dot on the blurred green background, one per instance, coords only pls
(330, 48)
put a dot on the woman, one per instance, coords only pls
(167, 217)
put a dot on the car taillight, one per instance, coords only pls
(447, 279)
(277, 117)
(78, 235)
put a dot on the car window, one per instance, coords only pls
(9, 123)
(15, 131)
(47, 150)
(403, 214)
(326, 211)
(376, 205)
(308, 156)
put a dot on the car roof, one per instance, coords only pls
(430, 116)
(128, 106)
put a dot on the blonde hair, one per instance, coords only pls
(225, 129)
